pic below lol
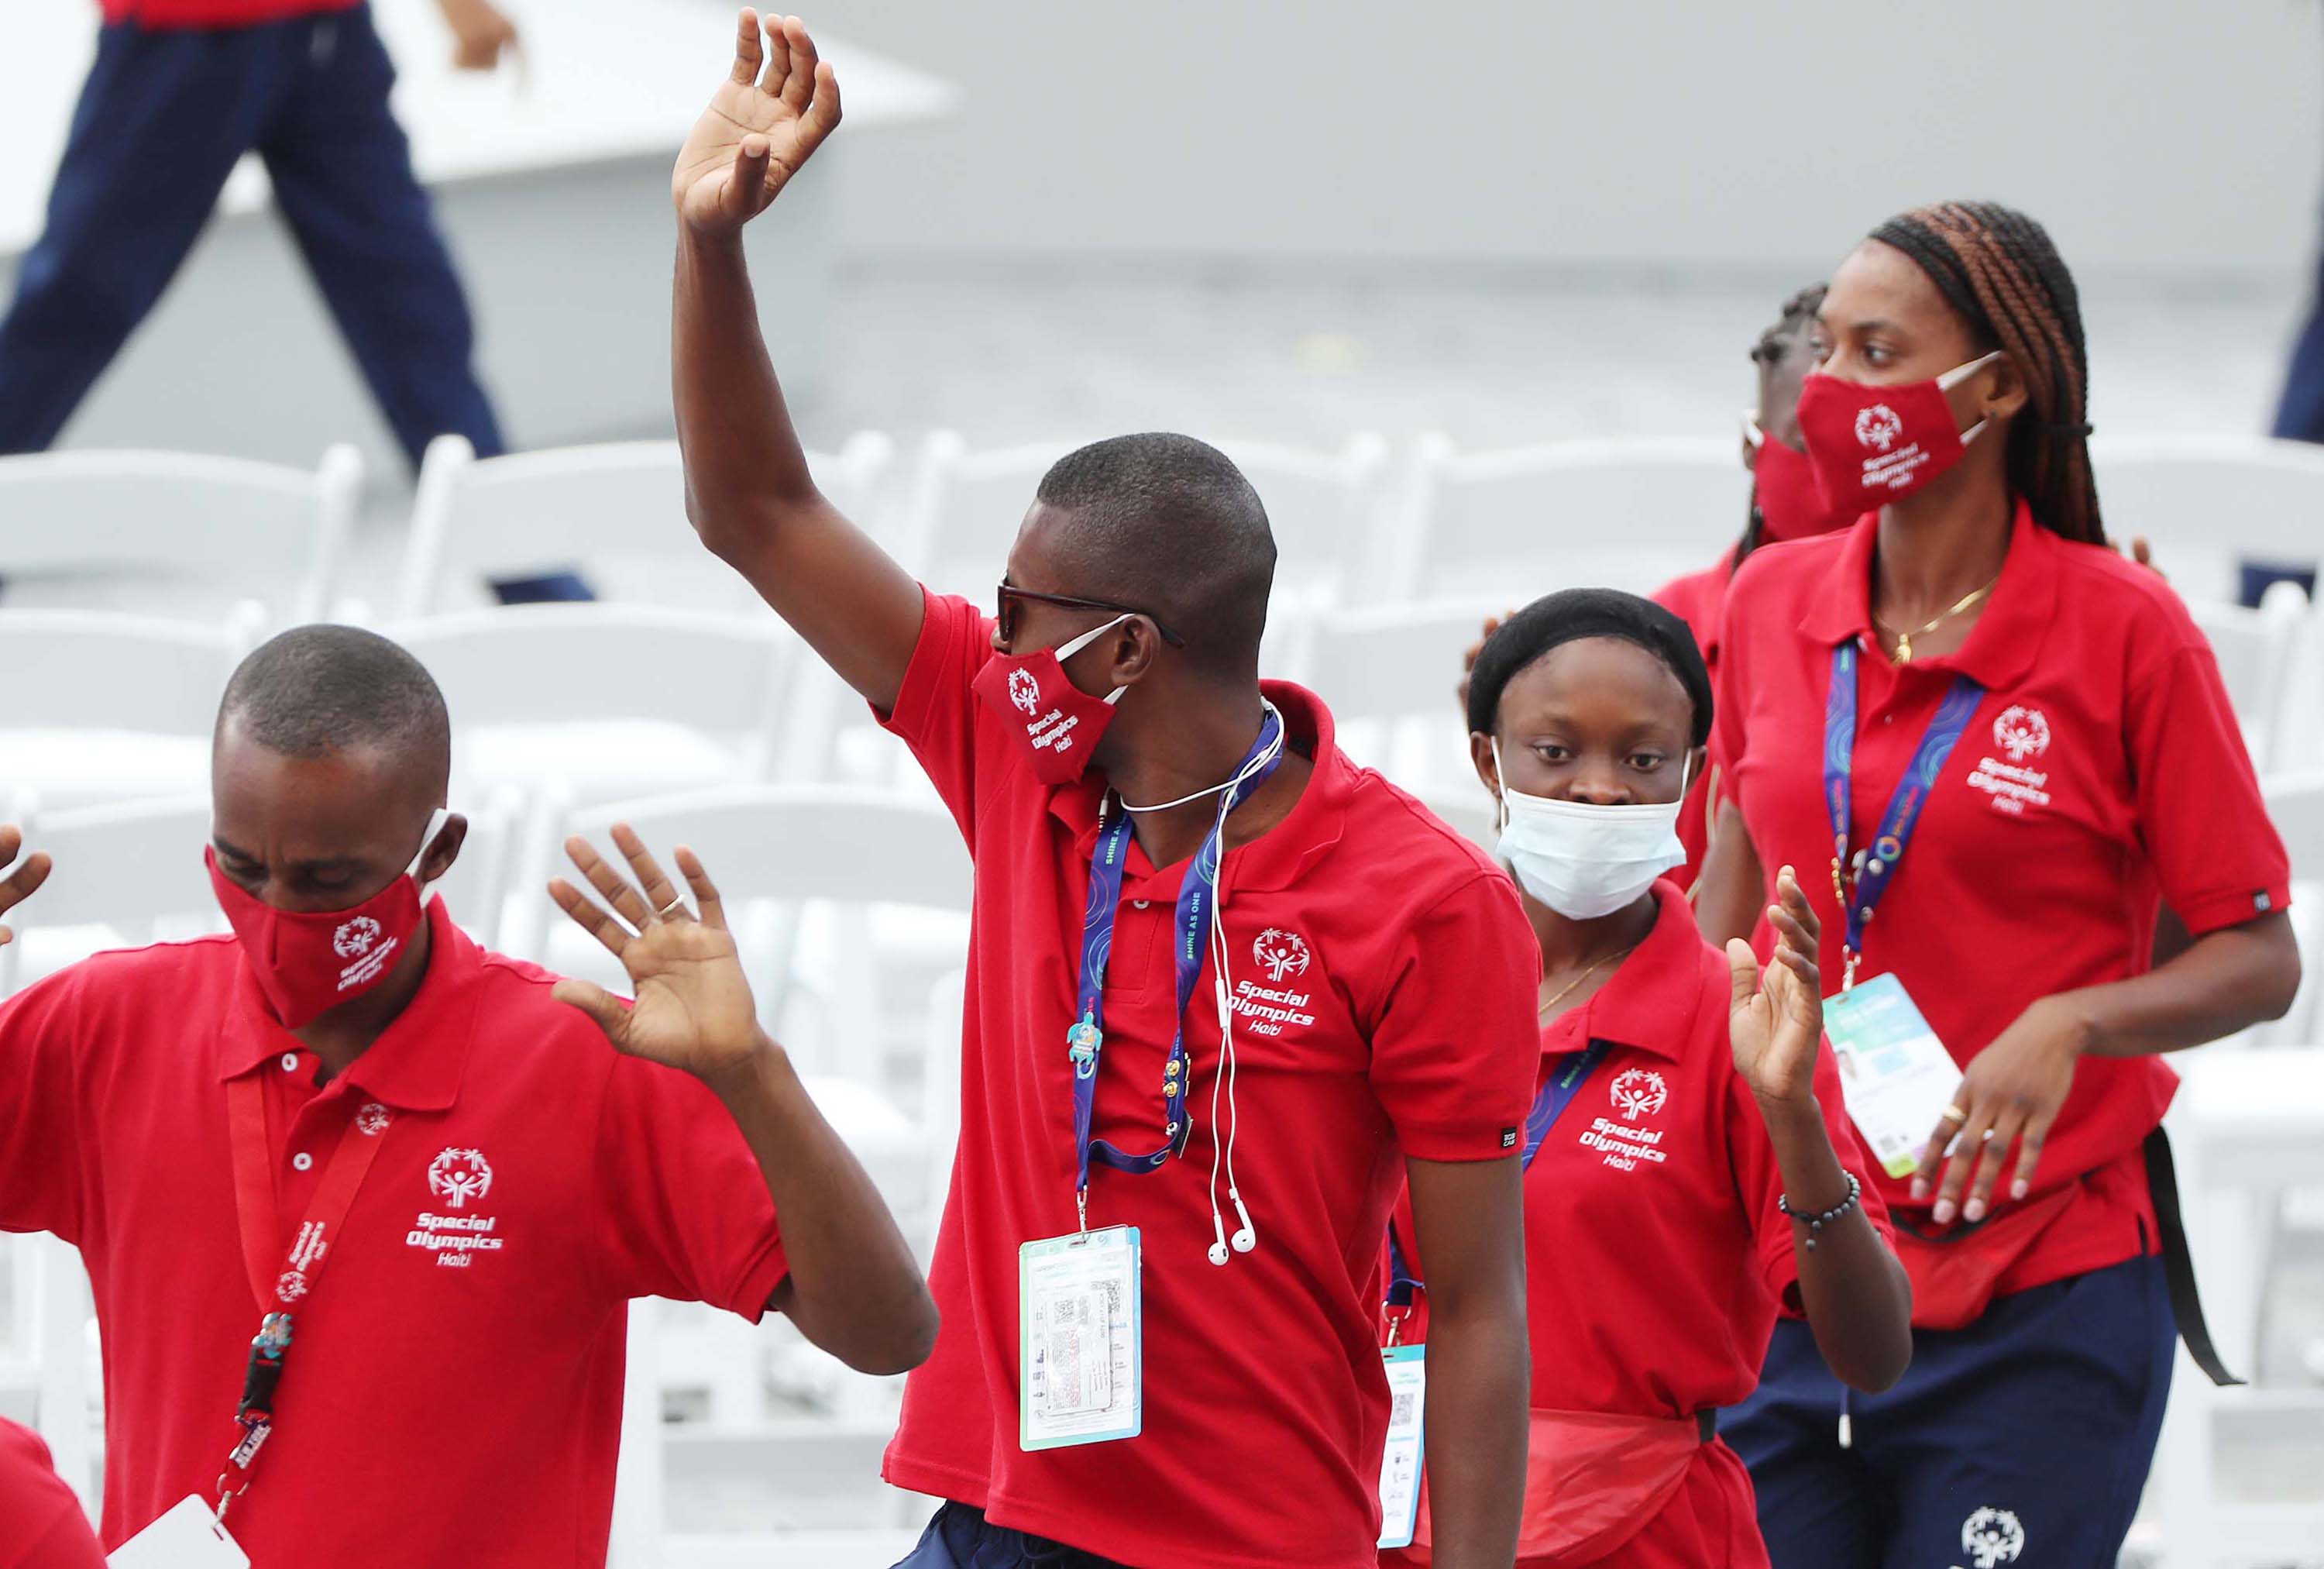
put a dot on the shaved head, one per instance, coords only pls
(315, 691)
(1168, 524)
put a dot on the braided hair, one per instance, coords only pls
(1795, 322)
(1999, 270)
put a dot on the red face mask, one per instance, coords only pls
(1061, 723)
(307, 962)
(1870, 446)
(1784, 488)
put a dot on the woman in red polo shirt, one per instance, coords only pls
(1688, 1164)
(2015, 741)
(1785, 505)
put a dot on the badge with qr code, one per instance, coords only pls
(1399, 1480)
(1080, 1367)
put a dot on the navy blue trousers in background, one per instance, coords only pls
(2024, 1438)
(162, 120)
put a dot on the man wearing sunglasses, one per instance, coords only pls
(1228, 990)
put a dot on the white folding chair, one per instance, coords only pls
(2255, 650)
(602, 701)
(1389, 674)
(2248, 1128)
(97, 706)
(147, 530)
(2208, 501)
(46, 1373)
(964, 508)
(1620, 513)
(620, 506)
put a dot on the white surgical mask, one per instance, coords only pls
(1584, 861)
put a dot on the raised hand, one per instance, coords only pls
(694, 1008)
(1775, 1026)
(479, 33)
(760, 128)
(18, 885)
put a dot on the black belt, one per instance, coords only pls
(1706, 1424)
(2178, 1264)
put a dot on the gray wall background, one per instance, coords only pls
(2155, 136)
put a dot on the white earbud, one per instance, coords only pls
(1218, 1247)
(1246, 1238)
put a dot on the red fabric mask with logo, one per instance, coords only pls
(308, 962)
(1870, 446)
(1060, 723)
(1783, 487)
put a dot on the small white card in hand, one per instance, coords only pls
(1399, 1483)
(189, 1537)
(1080, 1367)
(1895, 1074)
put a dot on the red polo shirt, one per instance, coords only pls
(1695, 599)
(41, 1523)
(2103, 768)
(159, 15)
(1656, 1256)
(1390, 977)
(444, 1402)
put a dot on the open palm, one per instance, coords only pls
(760, 127)
(18, 885)
(1775, 1024)
(694, 1009)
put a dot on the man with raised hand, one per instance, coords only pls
(1227, 989)
(429, 1178)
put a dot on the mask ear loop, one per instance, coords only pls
(1066, 650)
(1954, 377)
(436, 821)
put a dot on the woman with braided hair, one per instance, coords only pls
(2009, 745)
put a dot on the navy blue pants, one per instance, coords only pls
(2024, 1438)
(162, 120)
(960, 1537)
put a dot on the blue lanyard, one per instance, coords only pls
(1197, 908)
(1859, 897)
(1556, 1094)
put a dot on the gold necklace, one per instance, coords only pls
(1567, 990)
(1904, 653)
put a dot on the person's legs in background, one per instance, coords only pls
(161, 121)
(342, 171)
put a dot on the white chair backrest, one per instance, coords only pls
(1391, 661)
(625, 501)
(963, 508)
(2255, 650)
(1629, 514)
(546, 664)
(2295, 805)
(251, 528)
(87, 669)
(834, 842)
(2206, 501)
(132, 867)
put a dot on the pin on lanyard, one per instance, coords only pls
(279, 1290)
(1198, 908)
(1557, 1092)
(1859, 895)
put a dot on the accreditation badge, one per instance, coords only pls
(1080, 1371)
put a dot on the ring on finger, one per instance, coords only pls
(677, 903)
(1953, 1115)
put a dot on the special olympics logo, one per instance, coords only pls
(457, 1176)
(1638, 1093)
(355, 939)
(1284, 953)
(291, 1286)
(1992, 1537)
(371, 1120)
(1025, 691)
(2021, 732)
(1879, 427)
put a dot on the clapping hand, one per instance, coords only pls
(1777, 1024)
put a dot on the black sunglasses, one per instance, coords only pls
(1010, 594)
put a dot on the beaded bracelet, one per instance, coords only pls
(1828, 1217)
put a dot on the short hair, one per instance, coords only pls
(1793, 326)
(1574, 614)
(1169, 524)
(315, 690)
